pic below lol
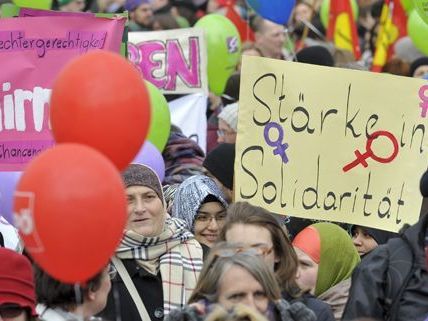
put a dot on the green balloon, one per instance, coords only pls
(421, 7)
(223, 47)
(160, 124)
(325, 10)
(407, 5)
(418, 31)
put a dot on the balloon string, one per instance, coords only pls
(290, 44)
(78, 296)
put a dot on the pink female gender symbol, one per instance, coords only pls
(424, 103)
(361, 158)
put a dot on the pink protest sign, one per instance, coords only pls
(175, 61)
(32, 53)
(29, 12)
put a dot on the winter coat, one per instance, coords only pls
(377, 277)
(149, 287)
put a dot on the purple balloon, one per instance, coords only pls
(8, 182)
(149, 155)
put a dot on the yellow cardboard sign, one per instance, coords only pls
(330, 143)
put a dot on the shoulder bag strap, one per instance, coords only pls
(131, 288)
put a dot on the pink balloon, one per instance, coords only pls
(150, 156)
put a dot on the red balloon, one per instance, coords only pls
(70, 209)
(100, 100)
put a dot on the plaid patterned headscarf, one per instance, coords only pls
(175, 253)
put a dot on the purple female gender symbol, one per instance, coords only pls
(280, 147)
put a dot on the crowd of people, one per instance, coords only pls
(190, 253)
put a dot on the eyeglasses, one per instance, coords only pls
(259, 250)
(9, 311)
(205, 217)
(112, 271)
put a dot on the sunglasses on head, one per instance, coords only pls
(11, 310)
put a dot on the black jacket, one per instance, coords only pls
(149, 287)
(321, 309)
(377, 277)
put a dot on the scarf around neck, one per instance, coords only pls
(175, 253)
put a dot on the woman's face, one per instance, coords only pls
(237, 285)
(363, 242)
(253, 236)
(208, 222)
(225, 133)
(421, 72)
(146, 213)
(307, 272)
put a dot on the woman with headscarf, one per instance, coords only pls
(158, 259)
(366, 239)
(200, 203)
(419, 68)
(327, 259)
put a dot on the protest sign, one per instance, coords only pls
(189, 114)
(32, 53)
(330, 143)
(12, 11)
(175, 61)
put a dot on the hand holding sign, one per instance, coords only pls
(100, 100)
(70, 208)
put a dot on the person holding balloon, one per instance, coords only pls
(158, 260)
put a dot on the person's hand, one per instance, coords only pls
(199, 306)
(215, 101)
